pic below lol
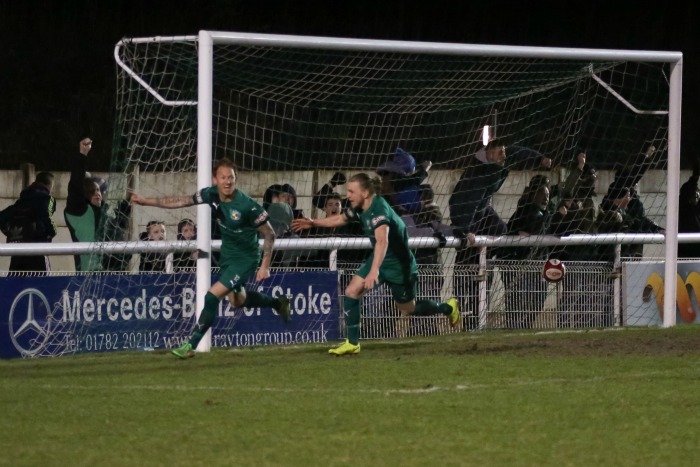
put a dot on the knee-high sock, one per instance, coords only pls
(256, 299)
(206, 318)
(352, 318)
(431, 307)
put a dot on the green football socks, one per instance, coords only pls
(206, 318)
(431, 307)
(258, 300)
(352, 319)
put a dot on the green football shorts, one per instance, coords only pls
(403, 284)
(235, 275)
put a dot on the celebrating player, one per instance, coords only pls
(391, 261)
(240, 219)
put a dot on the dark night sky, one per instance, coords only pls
(58, 71)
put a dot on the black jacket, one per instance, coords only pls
(30, 219)
(689, 217)
(480, 180)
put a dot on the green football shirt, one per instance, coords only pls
(238, 221)
(398, 256)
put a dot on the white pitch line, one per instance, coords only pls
(387, 392)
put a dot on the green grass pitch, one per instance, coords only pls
(624, 397)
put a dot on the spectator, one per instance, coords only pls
(576, 212)
(470, 207)
(581, 185)
(614, 217)
(292, 200)
(525, 290)
(328, 190)
(629, 174)
(153, 262)
(281, 216)
(114, 227)
(581, 180)
(571, 218)
(401, 181)
(87, 217)
(484, 175)
(531, 217)
(282, 194)
(429, 217)
(30, 220)
(430, 212)
(536, 182)
(185, 261)
(689, 213)
(277, 201)
(333, 206)
(270, 192)
(321, 257)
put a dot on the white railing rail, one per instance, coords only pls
(338, 243)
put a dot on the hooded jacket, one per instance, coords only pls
(30, 219)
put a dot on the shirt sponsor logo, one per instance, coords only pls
(377, 220)
(261, 218)
(235, 215)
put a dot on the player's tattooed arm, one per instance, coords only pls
(268, 240)
(268, 236)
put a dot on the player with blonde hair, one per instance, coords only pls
(391, 261)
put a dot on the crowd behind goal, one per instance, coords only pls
(509, 291)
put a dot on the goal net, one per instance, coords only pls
(570, 134)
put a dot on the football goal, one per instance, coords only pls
(496, 157)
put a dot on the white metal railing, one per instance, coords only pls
(338, 243)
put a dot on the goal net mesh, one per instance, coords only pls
(294, 117)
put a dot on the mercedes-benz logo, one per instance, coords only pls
(30, 322)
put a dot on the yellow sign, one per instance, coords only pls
(655, 284)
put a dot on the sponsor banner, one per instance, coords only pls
(644, 293)
(58, 315)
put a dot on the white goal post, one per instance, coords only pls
(207, 39)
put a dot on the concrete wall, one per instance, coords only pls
(652, 189)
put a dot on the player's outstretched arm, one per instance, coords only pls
(332, 221)
(167, 202)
